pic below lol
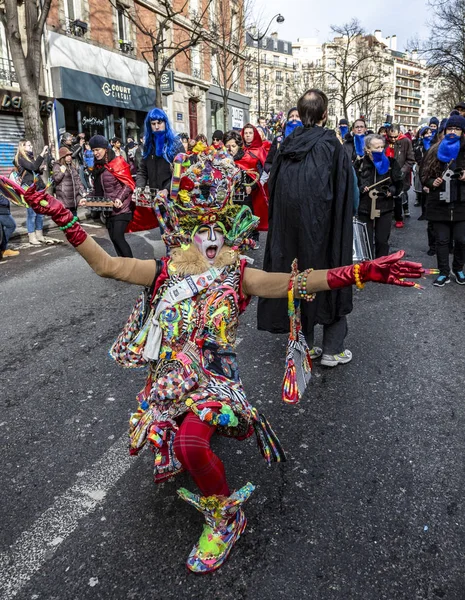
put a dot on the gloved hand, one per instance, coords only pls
(45, 204)
(386, 269)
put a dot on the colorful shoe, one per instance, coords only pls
(225, 522)
(399, 224)
(315, 352)
(332, 360)
(441, 280)
(459, 277)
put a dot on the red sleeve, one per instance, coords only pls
(243, 299)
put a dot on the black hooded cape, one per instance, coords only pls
(310, 218)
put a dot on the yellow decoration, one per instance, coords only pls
(358, 281)
(183, 195)
(189, 402)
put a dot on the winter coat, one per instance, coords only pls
(440, 210)
(155, 171)
(29, 168)
(368, 175)
(68, 186)
(114, 181)
(310, 218)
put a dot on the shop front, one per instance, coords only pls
(12, 125)
(237, 107)
(99, 105)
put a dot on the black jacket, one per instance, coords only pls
(440, 210)
(275, 144)
(310, 218)
(155, 172)
(30, 167)
(367, 176)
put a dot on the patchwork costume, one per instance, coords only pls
(183, 330)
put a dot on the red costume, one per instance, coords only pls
(254, 158)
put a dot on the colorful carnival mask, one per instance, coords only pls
(209, 239)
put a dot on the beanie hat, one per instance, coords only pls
(442, 125)
(290, 110)
(343, 122)
(217, 135)
(455, 121)
(460, 105)
(434, 121)
(64, 151)
(98, 141)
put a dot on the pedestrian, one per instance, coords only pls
(263, 126)
(380, 181)
(138, 155)
(400, 147)
(184, 137)
(113, 181)
(117, 148)
(29, 170)
(68, 186)
(7, 226)
(188, 338)
(310, 218)
(443, 175)
(255, 156)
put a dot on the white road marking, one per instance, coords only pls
(91, 225)
(39, 251)
(36, 546)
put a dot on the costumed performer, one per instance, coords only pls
(186, 334)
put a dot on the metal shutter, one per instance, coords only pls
(11, 131)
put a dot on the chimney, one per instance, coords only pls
(274, 35)
(378, 35)
(394, 42)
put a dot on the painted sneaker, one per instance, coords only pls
(225, 522)
(332, 360)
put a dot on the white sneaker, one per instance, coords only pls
(315, 352)
(332, 360)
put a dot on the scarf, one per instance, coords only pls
(290, 126)
(381, 162)
(160, 138)
(449, 147)
(427, 143)
(359, 141)
(344, 129)
(433, 134)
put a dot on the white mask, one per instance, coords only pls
(209, 239)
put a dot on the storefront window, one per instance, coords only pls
(216, 115)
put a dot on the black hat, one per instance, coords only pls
(433, 121)
(98, 141)
(455, 121)
(442, 125)
(217, 135)
(460, 105)
(343, 122)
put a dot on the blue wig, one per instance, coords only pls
(166, 145)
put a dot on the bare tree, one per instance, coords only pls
(227, 40)
(24, 25)
(174, 32)
(353, 69)
(445, 49)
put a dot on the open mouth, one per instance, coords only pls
(211, 252)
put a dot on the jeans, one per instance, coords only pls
(34, 222)
(334, 335)
(379, 232)
(446, 231)
(8, 224)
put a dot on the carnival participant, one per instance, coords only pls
(434, 126)
(400, 147)
(354, 143)
(30, 168)
(380, 180)
(217, 139)
(292, 122)
(184, 137)
(68, 186)
(113, 181)
(443, 175)
(342, 129)
(310, 216)
(421, 145)
(188, 339)
(249, 177)
(255, 156)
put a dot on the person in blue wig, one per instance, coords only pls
(381, 174)
(161, 145)
(443, 177)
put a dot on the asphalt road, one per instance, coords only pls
(369, 506)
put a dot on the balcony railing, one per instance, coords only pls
(7, 72)
(196, 73)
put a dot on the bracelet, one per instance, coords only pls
(302, 286)
(70, 224)
(358, 280)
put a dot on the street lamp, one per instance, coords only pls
(279, 19)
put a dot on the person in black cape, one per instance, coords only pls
(310, 218)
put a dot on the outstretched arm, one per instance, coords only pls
(387, 269)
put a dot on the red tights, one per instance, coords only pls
(192, 449)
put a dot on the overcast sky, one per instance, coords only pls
(304, 18)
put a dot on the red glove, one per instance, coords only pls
(386, 269)
(45, 204)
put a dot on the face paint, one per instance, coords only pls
(209, 239)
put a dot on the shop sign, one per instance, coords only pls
(179, 117)
(167, 82)
(237, 116)
(14, 103)
(119, 92)
(92, 122)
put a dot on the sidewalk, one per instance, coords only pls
(19, 215)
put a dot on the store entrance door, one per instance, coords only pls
(193, 119)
